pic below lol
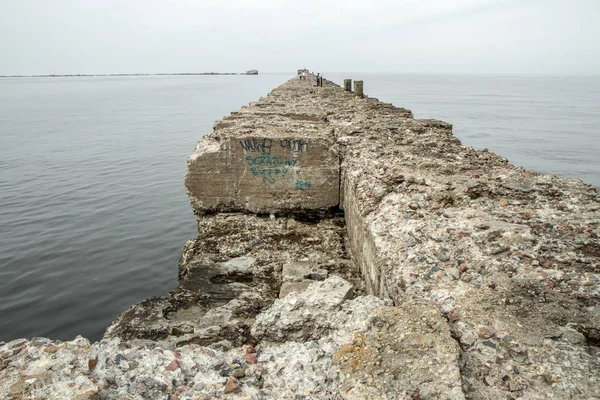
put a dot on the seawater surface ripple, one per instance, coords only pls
(93, 213)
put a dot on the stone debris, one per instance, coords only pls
(297, 276)
(357, 356)
(450, 274)
(233, 271)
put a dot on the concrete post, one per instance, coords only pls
(358, 88)
(348, 85)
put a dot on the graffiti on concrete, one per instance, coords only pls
(257, 145)
(265, 145)
(295, 145)
(269, 167)
(269, 175)
(272, 161)
(303, 185)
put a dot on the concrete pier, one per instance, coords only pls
(347, 250)
(428, 218)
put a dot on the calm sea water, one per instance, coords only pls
(93, 213)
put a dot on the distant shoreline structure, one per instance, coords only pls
(250, 72)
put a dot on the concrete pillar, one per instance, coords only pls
(358, 88)
(348, 85)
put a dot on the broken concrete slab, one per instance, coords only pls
(296, 276)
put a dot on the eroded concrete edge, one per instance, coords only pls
(509, 256)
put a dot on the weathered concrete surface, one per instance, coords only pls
(492, 270)
(509, 256)
(345, 349)
(263, 160)
(298, 275)
(230, 273)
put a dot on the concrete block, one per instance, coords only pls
(358, 89)
(294, 286)
(298, 275)
(347, 85)
(263, 175)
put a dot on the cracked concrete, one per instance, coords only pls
(446, 273)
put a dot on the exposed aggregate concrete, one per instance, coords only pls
(451, 274)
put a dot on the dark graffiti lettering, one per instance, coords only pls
(295, 145)
(258, 145)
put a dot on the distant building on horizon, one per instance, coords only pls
(252, 72)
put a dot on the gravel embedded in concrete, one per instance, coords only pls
(450, 274)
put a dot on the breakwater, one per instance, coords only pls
(348, 250)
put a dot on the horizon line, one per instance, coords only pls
(503, 74)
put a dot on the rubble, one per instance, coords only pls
(446, 273)
(353, 358)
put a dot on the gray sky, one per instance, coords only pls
(548, 37)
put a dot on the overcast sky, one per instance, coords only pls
(531, 37)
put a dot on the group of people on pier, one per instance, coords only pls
(302, 76)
